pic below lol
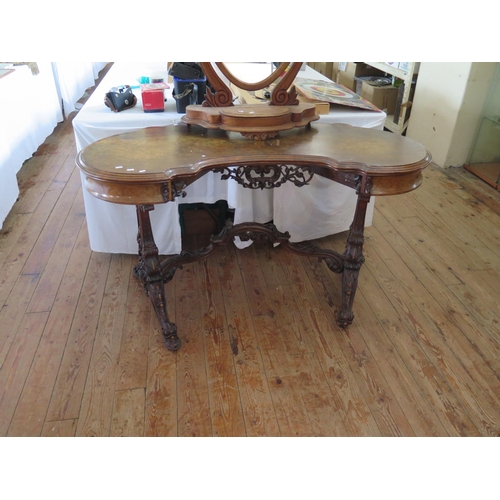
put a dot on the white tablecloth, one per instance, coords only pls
(73, 79)
(319, 209)
(30, 109)
(29, 112)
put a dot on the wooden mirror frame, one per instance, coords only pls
(223, 96)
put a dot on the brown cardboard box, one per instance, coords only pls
(325, 68)
(347, 72)
(383, 97)
(335, 72)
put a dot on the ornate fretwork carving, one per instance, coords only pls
(267, 176)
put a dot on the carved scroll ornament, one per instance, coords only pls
(267, 176)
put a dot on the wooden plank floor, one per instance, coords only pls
(81, 353)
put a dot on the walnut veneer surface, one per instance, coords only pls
(160, 154)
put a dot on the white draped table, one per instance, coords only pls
(30, 109)
(319, 209)
(29, 112)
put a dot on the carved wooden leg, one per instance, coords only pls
(149, 272)
(353, 260)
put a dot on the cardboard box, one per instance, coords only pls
(348, 71)
(360, 79)
(330, 69)
(384, 98)
(335, 72)
(170, 79)
(325, 68)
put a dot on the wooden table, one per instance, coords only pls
(154, 165)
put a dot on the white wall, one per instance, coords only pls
(447, 108)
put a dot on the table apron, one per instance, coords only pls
(144, 193)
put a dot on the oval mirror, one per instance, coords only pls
(223, 94)
(246, 85)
